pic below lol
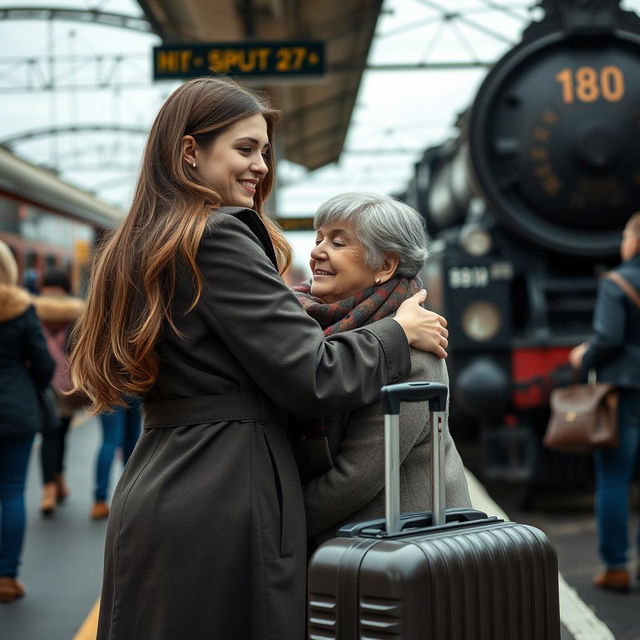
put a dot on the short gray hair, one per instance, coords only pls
(383, 225)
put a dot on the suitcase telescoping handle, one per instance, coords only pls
(392, 395)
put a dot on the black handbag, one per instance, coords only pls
(48, 409)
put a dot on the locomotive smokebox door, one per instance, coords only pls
(555, 128)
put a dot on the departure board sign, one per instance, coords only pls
(246, 59)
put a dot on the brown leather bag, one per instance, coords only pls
(584, 417)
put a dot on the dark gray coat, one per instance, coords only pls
(351, 486)
(206, 537)
(614, 350)
(25, 363)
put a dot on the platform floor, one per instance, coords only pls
(62, 561)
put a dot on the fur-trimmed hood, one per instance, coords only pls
(58, 310)
(13, 302)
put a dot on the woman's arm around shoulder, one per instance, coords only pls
(246, 303)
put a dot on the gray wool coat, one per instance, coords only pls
(206, 536)
(344, 472)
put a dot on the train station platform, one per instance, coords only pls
(62, 560)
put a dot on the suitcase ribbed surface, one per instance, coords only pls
(493, 582)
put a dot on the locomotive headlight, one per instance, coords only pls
(481, 321)
(476, 241)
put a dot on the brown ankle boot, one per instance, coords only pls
(49, 498)
(19, 587)
(62, 490)
(10, 589)
(613, 579)
(100, 510)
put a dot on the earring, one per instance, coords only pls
(194, 165)
(378, 281)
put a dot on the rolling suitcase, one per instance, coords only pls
(451, 574)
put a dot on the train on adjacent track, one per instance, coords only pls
(47, 222)
(525, 209)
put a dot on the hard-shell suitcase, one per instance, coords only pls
(451, 574)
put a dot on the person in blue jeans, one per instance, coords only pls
(614, 473)
(26, 369)
(614, 352)
(120, 429)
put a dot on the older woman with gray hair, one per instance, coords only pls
(368, 252)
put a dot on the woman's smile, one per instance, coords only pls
(249, 185)
(319, 273)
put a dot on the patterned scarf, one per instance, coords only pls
(357, 311)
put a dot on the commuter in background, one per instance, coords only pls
(368, 251)
(187, 308)
(25, 368)
(120, 430)
(57, 310)
(614, 352)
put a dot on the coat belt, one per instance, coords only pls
(231, 407)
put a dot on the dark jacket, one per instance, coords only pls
(614, 350)
(351, 489)
(25, 363)
(206, 536)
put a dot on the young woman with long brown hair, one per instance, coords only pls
(186, 308)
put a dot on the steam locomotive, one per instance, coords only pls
(525, 209)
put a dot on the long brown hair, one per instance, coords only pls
(134, 273)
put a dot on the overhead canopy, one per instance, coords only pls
(316, 113)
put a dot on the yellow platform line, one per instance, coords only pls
(89, 628)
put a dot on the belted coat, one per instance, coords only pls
(206, 536)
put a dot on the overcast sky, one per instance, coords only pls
(406, 110)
